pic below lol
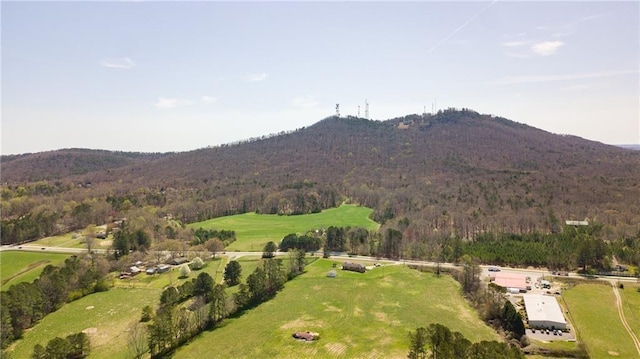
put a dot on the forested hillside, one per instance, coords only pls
(64, 163)
(456, 172)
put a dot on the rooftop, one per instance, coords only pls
(543, 308)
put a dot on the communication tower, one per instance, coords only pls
(366, 109)
(337, 110)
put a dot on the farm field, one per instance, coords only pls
(104, 316)
(631, 306)
(67, 240)
(600, 330)
(16, 266)
(357, 315)
(253, 230)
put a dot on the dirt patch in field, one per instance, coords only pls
(89, 307)
(613, 354)
(303, 324)
(357, 312)
(383, 317)
(335, 349)
(316, 287)
(90, 331)
(331, 308)
(105, 243)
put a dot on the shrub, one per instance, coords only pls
(197, 263)
(185, 271)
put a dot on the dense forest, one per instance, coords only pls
(431, 179)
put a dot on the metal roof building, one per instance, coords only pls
(510, 280)
(543, 311)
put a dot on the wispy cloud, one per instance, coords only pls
(209, 99)
(580, 87)
(460, 27)
(255, 77)
(118, 63)
(165, 103)
(304, 102)
(546, 48)
(515, 43)
(561, 77)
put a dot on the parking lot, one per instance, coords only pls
(542, 335)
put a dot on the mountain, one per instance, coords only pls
(631, 147)
(455, 171)
(64, 163)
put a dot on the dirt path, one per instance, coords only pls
(636, 342)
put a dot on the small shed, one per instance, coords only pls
(354, 267)
(332, 274)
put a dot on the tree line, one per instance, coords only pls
(446, 344)
(24, 304)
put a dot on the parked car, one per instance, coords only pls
(494, 269)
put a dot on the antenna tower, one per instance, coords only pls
(366, 109)
(337, 110)
(358, 111)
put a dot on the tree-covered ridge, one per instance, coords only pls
(456, 172)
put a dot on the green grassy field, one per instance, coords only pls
(601, 329)
(253, 231)
(105, 317)
(631, 306)
(357, 315)
(215, 268)
(64, 240)
(17, 266)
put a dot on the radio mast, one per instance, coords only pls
(366, 109)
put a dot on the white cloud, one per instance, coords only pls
(304, 102)
(514, 43)
(209, 99)
(169, 103)
(118, 63)
(255, 77)
(562, 77)
(547, 48)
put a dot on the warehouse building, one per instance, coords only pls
(543, 311)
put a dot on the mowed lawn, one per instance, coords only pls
(105, 317)
(357, 315)
(253, 230)
(593, 311)
(69, 240)
(18, 266)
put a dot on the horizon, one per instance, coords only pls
(158, 77)
(275, 134)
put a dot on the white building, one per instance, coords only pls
(544, 311)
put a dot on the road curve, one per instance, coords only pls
(633, 336)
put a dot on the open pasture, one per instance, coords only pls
(17, 266)
(358, 315)
(253, 230)
(600, 329)
(67, 240)
(105, 317)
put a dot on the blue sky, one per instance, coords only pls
(177, 76)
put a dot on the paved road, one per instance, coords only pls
(532, 272)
